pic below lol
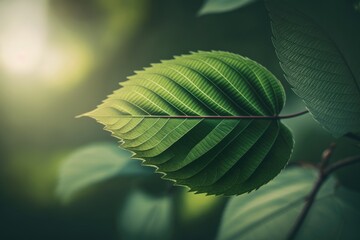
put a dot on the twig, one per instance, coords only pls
(309, 201)
(326, 155)
(342, 163)
(324, 172)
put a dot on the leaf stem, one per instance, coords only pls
(324, 172)
(224, 117)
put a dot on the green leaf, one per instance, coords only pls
(270, 212)
(316, 69)
(95, 163)
(220, 6)
(215, 156)
(146, 217)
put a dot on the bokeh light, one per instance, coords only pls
(30, 50)
(23, 33)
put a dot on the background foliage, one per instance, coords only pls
(80, 50)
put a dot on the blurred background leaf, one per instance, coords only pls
(95, 163)
(198, 215)
(270, 212)
(146, 217)
(194, 205)
(220, 6)
(357, 5)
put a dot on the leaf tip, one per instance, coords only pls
(87, 114)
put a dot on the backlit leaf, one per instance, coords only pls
(95, 163)
(215, 156)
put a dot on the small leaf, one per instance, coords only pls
(220, 6)
(146, 217)
(317, 69)
(95, 163)
(214, 156)
(270, 212)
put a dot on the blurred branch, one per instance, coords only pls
(325, 158)
(324, 172)
(342, 163)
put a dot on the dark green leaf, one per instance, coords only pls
(95, 163)
(146, 217)
(317, 69)
(270, 212)
(219, 6)
(216, 156)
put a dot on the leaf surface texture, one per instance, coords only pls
(214, 156)
(316, 69)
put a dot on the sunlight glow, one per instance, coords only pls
(23, 33)
(35, 48)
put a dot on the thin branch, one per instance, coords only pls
(222, 117)
(309, 201)
(340, 164)
(324, 172)
(326, 155)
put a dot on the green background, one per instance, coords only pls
(100, 43)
